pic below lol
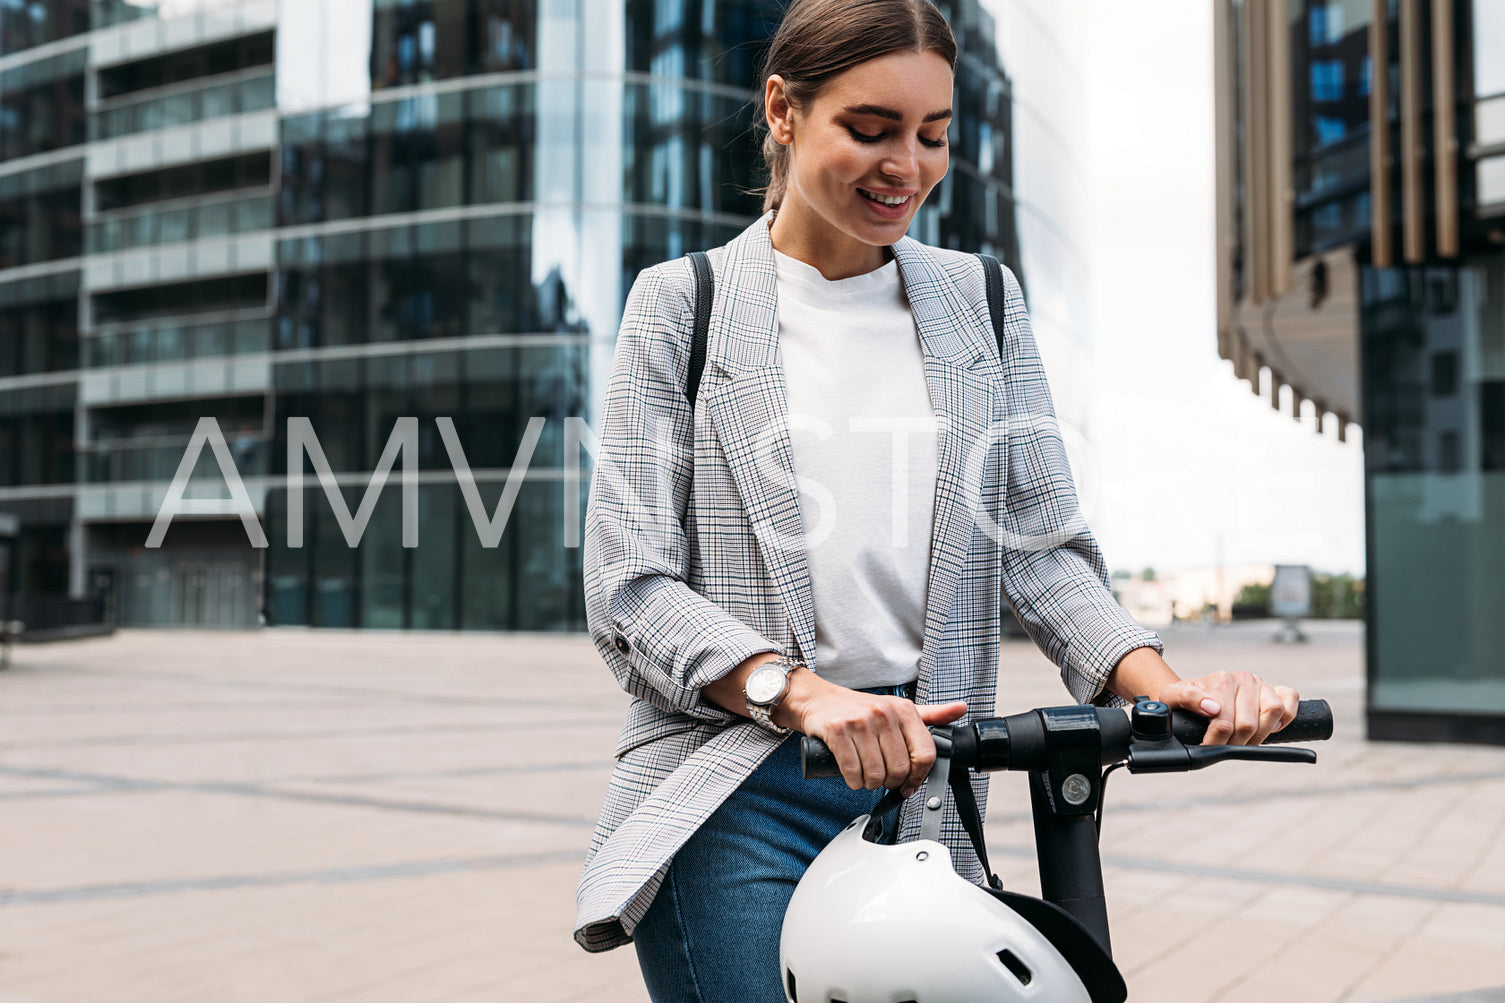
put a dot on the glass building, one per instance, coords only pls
(359, 213)
(1362, 229)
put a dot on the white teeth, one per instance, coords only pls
(885, 199)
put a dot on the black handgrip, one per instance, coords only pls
(816, 761)
(1314, 723)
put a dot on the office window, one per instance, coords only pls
(42, 107)
(37, 22)
(1444, 374)
(1449, 457)
(1327, 80)
(1329, 129)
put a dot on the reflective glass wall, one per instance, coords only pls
(1434, 387)
(1331, 77)
(358, 211)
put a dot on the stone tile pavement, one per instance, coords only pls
(298, 816)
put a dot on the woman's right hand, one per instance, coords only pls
(879, 741)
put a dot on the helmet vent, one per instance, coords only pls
(794, 997)
(1013, 964)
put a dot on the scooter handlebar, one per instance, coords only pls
(1313, 723)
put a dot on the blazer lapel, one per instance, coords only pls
(747, 404)
(960, 376)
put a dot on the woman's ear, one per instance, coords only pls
(777, 110)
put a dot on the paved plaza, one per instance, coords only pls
(295, 816)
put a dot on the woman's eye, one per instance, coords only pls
(863, 137)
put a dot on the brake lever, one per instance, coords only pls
(1173, 757)
(1206, 755)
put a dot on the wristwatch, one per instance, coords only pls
(766, 686)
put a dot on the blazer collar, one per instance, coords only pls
(745, 332)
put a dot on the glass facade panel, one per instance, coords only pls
(37, 22)
(381, 559)
(481, 146)
(438, 39)
(42, 106)
(489, 393)
(172, 223)
(39, 325)
(231, 293)
(434, 579)
(151, 110)
(441, 280)
(175, 341)
(36, 436)
(1434, 390)
(1490, 182)
(717, 41)
(449, 581)
(146, 442)
(1330, 79)
(185, 64)
(1489, 48)
(40, 215)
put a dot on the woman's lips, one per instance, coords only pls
(883, 209)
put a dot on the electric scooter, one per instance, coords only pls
(1068, 753)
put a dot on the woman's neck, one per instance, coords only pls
(806, 237)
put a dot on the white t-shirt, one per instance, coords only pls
(864, 438)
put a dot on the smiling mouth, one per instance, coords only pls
(888, 200)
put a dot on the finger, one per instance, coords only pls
(921, 748)
(941, 713)
(894, 745)
(1270, 713)
(870, 752)
(1220, 690)
(1190, 696)
(845, 752)
(1246, 712)
(1290, 702)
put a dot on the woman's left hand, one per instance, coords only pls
(1243, 708)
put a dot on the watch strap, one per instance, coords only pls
(762, 715)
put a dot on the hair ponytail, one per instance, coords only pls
(818, 39)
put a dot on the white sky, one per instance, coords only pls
(1189, 466)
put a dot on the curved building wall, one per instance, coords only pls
(351, 215)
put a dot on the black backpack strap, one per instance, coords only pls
(705, 290)
(992, 273)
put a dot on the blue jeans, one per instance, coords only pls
(712, 932)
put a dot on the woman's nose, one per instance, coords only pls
(902, 163)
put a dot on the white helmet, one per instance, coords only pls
(896, 924)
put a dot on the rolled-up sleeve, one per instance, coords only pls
(1054, 574)
(663, 641)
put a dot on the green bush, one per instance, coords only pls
(1334, 597)
(1337, 597)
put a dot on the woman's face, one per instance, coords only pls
(862, 157)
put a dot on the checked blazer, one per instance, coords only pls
(694, 554)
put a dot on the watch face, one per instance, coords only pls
(764, 685)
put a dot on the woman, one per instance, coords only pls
(820, 544)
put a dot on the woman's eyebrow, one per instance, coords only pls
(881, 112)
